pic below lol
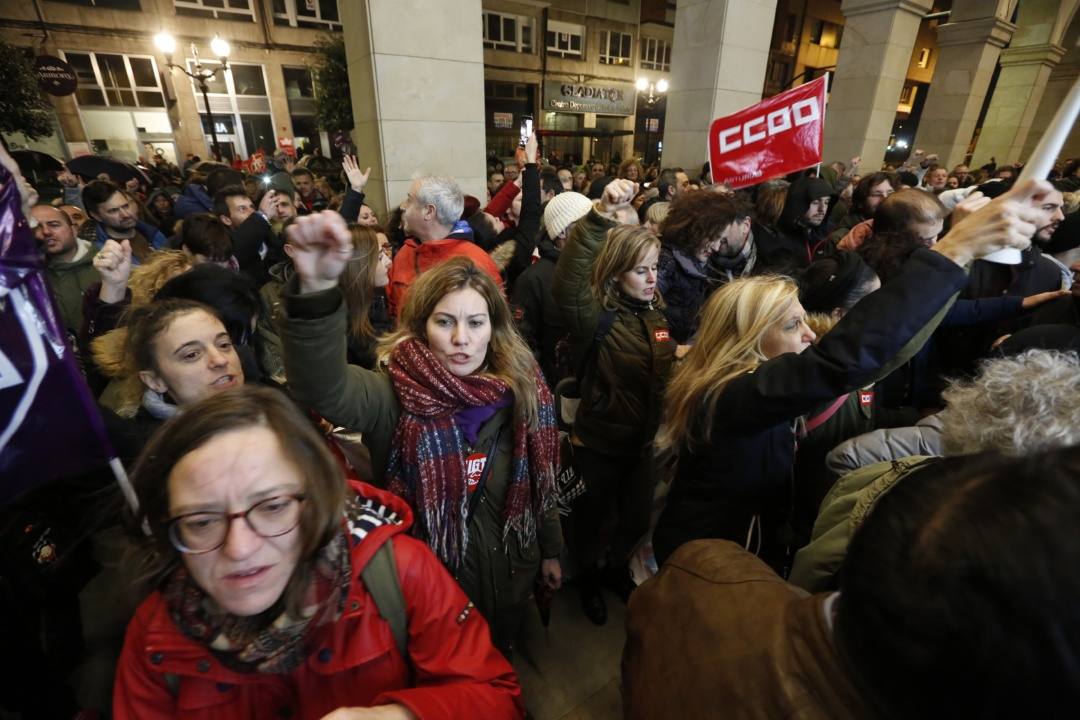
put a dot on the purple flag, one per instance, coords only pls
(50, 426)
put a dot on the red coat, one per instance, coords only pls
(456, 672)
(416, 257)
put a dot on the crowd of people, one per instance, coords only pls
(364, 447)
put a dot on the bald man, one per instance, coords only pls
(68, 262)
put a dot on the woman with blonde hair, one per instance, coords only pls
(606, 287)
(733, 407)
(457, 417)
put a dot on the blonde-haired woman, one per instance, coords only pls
(458, 418)
(605, 286)
(733, 405)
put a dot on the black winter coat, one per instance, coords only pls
(739, 486)
(684, 285)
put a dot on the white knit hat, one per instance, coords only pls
(563, 209)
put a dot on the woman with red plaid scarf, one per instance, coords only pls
(457, 417)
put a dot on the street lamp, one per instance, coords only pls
(202, 75)
(656, 91)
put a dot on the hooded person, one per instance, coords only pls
(803, 225)
(160, 208)
(535, 311)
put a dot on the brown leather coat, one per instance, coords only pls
(717, 634)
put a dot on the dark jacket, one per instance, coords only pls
(1035, 274)
(744, 471)
(623, 385)
(718, 635)
(192, 201)
(527, 230)
(251, 241)
(497, 573)
(794, 243)
(537, 314)
(684, 285)
(350, 205)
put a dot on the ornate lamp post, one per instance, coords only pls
(202, 74)
(656, 91)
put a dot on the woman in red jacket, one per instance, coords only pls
(259, 553)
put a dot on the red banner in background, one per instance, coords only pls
(775, 137)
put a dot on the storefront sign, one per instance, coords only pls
(55, 76)
(503, 120)
(601, 98)
(777, 136)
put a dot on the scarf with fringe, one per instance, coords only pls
(427, 459)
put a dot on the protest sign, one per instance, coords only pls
(777, 136)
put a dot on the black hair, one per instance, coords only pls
(835, 281)
(232, 295)
(907, 178)
(668, 178)
(957, 597)
(550, 183)
(221, 205)
(97, 192)
(302, 171)
(861, 193)
(484, 233)
(206, 235)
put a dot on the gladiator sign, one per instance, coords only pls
(607, 99)
(776, 136)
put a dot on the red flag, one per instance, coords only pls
(775, 137)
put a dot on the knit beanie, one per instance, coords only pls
(564, 209)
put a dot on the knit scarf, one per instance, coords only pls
(274, 641)
(427, 457)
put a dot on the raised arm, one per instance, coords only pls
(572, 284)
(313, 339)
(866, 343)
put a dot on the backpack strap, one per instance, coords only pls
(822, 417)
(380, 577)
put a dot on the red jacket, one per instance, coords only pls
(455, 670)
(415, 257)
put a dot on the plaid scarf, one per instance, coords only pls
(276, 641)
(427, 457)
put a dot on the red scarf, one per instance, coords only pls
(427, 457)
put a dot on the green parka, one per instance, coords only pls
(623, 385)
(68, 281)
(498, 578)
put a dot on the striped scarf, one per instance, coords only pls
(427, 457)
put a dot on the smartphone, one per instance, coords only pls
(526, 128)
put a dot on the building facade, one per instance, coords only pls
(128, 103)
(572, 65)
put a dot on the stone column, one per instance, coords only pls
(719, 58)
(1057, 87)
(416, 75)
(969, 52)
(874, 56)
(1025, 71)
